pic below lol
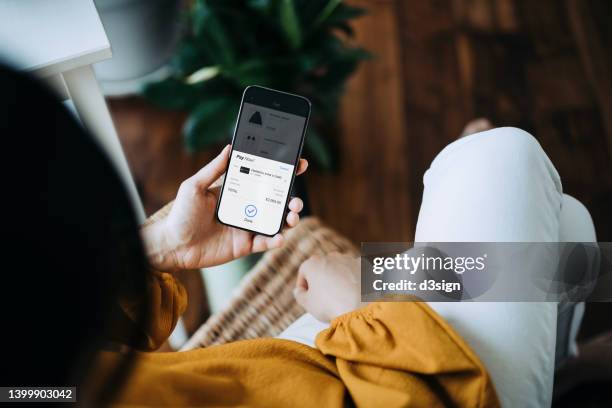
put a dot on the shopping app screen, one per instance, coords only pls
(257, 181)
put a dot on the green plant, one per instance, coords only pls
(292, 45)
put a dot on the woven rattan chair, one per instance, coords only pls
(263, 304)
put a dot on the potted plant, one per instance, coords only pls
(296, 46)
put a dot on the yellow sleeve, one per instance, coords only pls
(167, 300)
(395, 354)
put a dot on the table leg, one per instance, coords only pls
(91, 107)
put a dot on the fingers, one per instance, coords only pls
(218, 183)
(304, 272)
(292, 219)
(301, 282)
(301, 296)
(262, 243)
(296, 204)
(302, 166)
(275, 242)
(301, 290)
(207, 175)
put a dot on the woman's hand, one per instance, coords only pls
(328, 286)
(190, 237)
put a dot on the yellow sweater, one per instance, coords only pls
(383, 355)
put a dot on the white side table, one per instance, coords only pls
(58, 41)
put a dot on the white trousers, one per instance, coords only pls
(497, 186)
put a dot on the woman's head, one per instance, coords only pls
(70, 241)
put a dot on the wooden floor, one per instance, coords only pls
(539, 65)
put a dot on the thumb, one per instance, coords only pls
(213, 170)
(301, 296)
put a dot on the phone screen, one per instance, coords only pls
(265, 151)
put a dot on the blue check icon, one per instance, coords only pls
(250, 211)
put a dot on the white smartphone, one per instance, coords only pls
(266, 148)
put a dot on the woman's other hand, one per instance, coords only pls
(328, 286)
(190, 237)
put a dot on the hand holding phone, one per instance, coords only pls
(266, 148)
(189, 236)
(251, 205)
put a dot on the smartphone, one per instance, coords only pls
(266, 148)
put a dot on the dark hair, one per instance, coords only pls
(71, 247)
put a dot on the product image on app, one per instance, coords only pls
(258, 179)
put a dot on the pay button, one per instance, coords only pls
(250, 210)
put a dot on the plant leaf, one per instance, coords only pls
(292, 45)
(342, 67)
(212, 36)
(171, 93)
(209, 123)
(290, 23)
(326, 12)
(342, 14)
(345, 28)
(253, 72)
(189, 57)
(260, 5)
(202, 75)
(320, 150)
